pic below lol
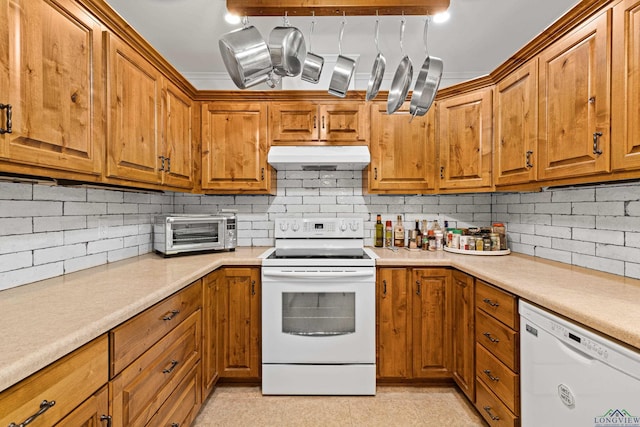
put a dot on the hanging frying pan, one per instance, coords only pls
(401, 79)
(426, 87)
(377, 72)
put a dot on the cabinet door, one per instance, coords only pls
(51, 75)
(293, 122)
(625, 126)
(239, 323)
(234, 148)
(94, 412)
(574, 102)
(465, 140)
(212, 283)
(393, 329)
(463, 360)
(177, 113)
(402, 152)
(134, 100)
(344, 123)
(431, 322)
(516, 117)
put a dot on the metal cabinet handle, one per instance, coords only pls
(170, 315)
(487, 409)
(375, 173)
(384, 287)
(491, 377)
(262, 174)
(175, 425)
(528, 159)
(315, 122)
(322, 122)
(106, 418)
(253, 287)
(441, 172)
(418, 290)
(596, 150)
(9, 129)
(44, 407)
(170, 369)
(490, 338)
(168, 164)
(162, 159)
(491, 303)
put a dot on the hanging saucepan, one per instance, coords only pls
(401, 80)
(312, 63)
(343, 71)
(428, 81)
(377, 72)
(246, 56)
(288, 49)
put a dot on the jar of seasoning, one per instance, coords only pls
(413, 235)
(501, 230)
(486, 243)
(495, 241)
(479, 243)
(455, 238)
(464, 243)
(471, 243)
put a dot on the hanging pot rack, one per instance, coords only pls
(335, 7)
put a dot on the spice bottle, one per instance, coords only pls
(388, 234)
(398, 233)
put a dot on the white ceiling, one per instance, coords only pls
(480, 35)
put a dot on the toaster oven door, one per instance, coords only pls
(195, 234)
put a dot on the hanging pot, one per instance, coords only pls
(312, 63)
(343, 70)
(401, 79)
(288, 49)
(377, 72)
(426, 87)
(246, 56)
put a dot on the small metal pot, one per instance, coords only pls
(377, 72)
(246, 56)
(342, 72)
(288, 50)
(401, 79)
(312, 63)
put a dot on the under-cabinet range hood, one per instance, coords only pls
(319, 157)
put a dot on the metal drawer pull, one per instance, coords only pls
(597, 151)
(170, 369)
(418, 291)
(44, 406)
(491, 377)
(175, 425)
(171, 315)
(528, 159)
(492, 339)
(9, 124)
(488, 411)
(491, 303)
(106, 418)
(384, 287)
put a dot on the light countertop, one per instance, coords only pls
(45, 320)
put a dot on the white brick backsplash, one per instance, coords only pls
(617, 193)
(507, 199)
(60, 253)
(626, 223)
(561, 232)
(85, 208)
(88, 261)
(84, 235)
(122, 208)
(19, 208)
(622, 253)
(598, 208)
(553, 208)
(23, 276)
(553, 254)
(540, 219)
(15, 191)
(522, 208)
(632, 269)
(120, 254)
(134, 197)
(632, 239)
(568, 245)
(583, 195)
(542, 197)
(632, 209)
(582, 221)
(530, 239)
(59, 194)
(597, 263)
(27, 242)
(58, 223)
(16, 260)
(599, 236)
(105, 245)
(94, 195)
(11, 226)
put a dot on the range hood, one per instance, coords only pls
(319, 157)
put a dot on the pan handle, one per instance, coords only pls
(377, 32)
(313, 24)
(344, 22)
(426, 31)
(402, 24)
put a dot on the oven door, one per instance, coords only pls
(321, 315)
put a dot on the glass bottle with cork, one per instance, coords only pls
(379, 236)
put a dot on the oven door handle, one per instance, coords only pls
(317, 274)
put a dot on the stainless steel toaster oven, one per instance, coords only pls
(179, 233)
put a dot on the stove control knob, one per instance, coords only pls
(295, 226)
(343, 226)
(353, 226)
(284, 226)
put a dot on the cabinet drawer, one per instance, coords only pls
(67, 382)
(502, 381)
(137, 335)
(498, 303)
(140, 390)
(182, 406)
(492, 409)
(501, 341)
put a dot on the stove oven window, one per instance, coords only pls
(318, 313)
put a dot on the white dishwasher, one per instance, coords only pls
(570, 376)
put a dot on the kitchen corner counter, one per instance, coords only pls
(607, 303)
(45, 320)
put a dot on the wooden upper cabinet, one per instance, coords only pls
(625, 123)
(465, 136)
(234, 148)
(295, 123)
(133, 88)
(574, 99)
(402, 152)
(516, 121)
(51, 75)
(177, 139)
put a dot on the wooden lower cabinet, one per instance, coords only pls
(210, 374)
(413, 336)
(239, 323)
(93, 412)
(463, 354)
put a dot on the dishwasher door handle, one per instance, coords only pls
(324, 275)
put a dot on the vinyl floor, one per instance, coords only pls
(392, 406)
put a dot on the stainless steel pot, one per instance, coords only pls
(401, 79)
(246, 56)
(312, 63)
(426, 87)
(343, 70)
(288, 50)
(377, 72)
